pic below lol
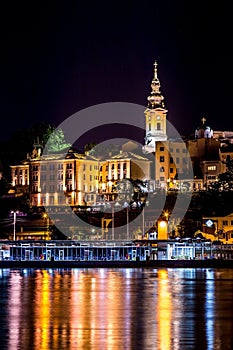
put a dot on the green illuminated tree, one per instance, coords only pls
(56, 142)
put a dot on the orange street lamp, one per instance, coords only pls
(162, 230)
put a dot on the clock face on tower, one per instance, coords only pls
(158, 117)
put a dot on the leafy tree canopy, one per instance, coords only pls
(56, 142)
(225, 180)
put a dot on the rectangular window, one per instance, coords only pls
(211, 167)
(177, 160)
(161, 178)
(161, 159)
(158, 126)
(171, 170)
(59, 187)
(211, 177)
(51, 188)
(161, 149)
(225, 222)
(149, 126)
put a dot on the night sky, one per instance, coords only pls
(58, 59)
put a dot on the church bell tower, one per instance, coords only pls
(155, 115)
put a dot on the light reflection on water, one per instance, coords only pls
(113, 309)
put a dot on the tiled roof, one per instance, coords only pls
(128, 155)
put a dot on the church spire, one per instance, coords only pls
(203, 130)
(155, 116)
(155, 100)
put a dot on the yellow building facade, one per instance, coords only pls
(218, 228)
(76, 179)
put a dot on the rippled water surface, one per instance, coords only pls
(116, 309)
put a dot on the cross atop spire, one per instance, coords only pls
(203, 120)
(155, 70)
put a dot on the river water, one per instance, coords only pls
(114, 309)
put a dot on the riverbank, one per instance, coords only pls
(44, 264)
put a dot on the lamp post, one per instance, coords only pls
(143, 221)
(113, 233)
(127, 223)
(46, 217)
(143, 217)
(14, 221)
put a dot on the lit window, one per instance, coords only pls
(211, 167)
